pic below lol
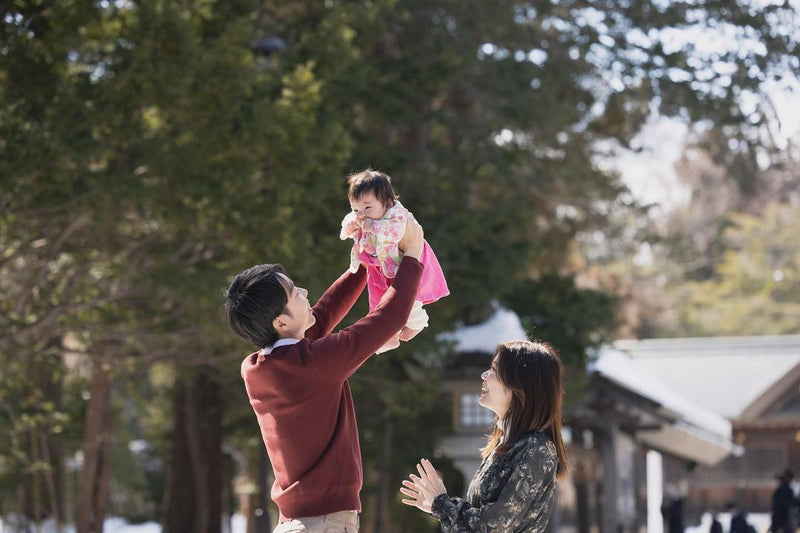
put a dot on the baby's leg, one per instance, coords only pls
(417, 321)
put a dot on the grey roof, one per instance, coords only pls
(722, 374)
(695, 433)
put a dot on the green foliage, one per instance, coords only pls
(552, 308)
(754, 288)
(702, 270)
(573, 320)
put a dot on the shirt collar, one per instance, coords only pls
(266, 350)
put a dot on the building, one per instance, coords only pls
(754, 382)
(634, 431)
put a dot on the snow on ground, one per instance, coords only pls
(760, 522)
(10, 524)
(14, 524)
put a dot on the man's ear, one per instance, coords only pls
(279, 322)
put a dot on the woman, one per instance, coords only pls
(513, 489)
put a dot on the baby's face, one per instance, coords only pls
(367, 206)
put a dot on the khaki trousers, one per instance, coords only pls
(341, 522)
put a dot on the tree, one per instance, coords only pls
(689, 251)
(574, 319)
(753, 289)
(100, 94)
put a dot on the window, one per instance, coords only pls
(759, 461)
(767, 457)
(472, 414)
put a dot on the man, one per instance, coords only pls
(739, 523)
(784, 512)
(297, 382)
(716, 525)
(672, 510)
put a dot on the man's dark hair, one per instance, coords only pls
(253, 300)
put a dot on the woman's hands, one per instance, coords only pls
(423, 489)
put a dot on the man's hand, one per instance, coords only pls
(413, 239)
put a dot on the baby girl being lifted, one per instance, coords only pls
(376, 224)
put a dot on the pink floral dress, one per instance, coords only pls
(376, 248)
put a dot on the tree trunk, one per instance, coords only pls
(34, 507)
(51, 477)
(93, 489)
(257, 512)
(42, 492)
(193, 499)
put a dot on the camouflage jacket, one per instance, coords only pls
(513, 492)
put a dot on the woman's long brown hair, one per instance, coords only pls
(533, 373)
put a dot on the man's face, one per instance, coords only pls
(367, 206)
(299, 316)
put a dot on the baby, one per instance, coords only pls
(376, 224)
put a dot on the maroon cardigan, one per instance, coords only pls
(303, 402)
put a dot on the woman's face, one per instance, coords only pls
(494, 395)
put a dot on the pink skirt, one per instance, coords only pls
(432, 286)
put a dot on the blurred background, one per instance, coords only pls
(618, 178)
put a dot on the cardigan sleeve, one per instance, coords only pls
(336, 302)
(515, 501)
(338, 355)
